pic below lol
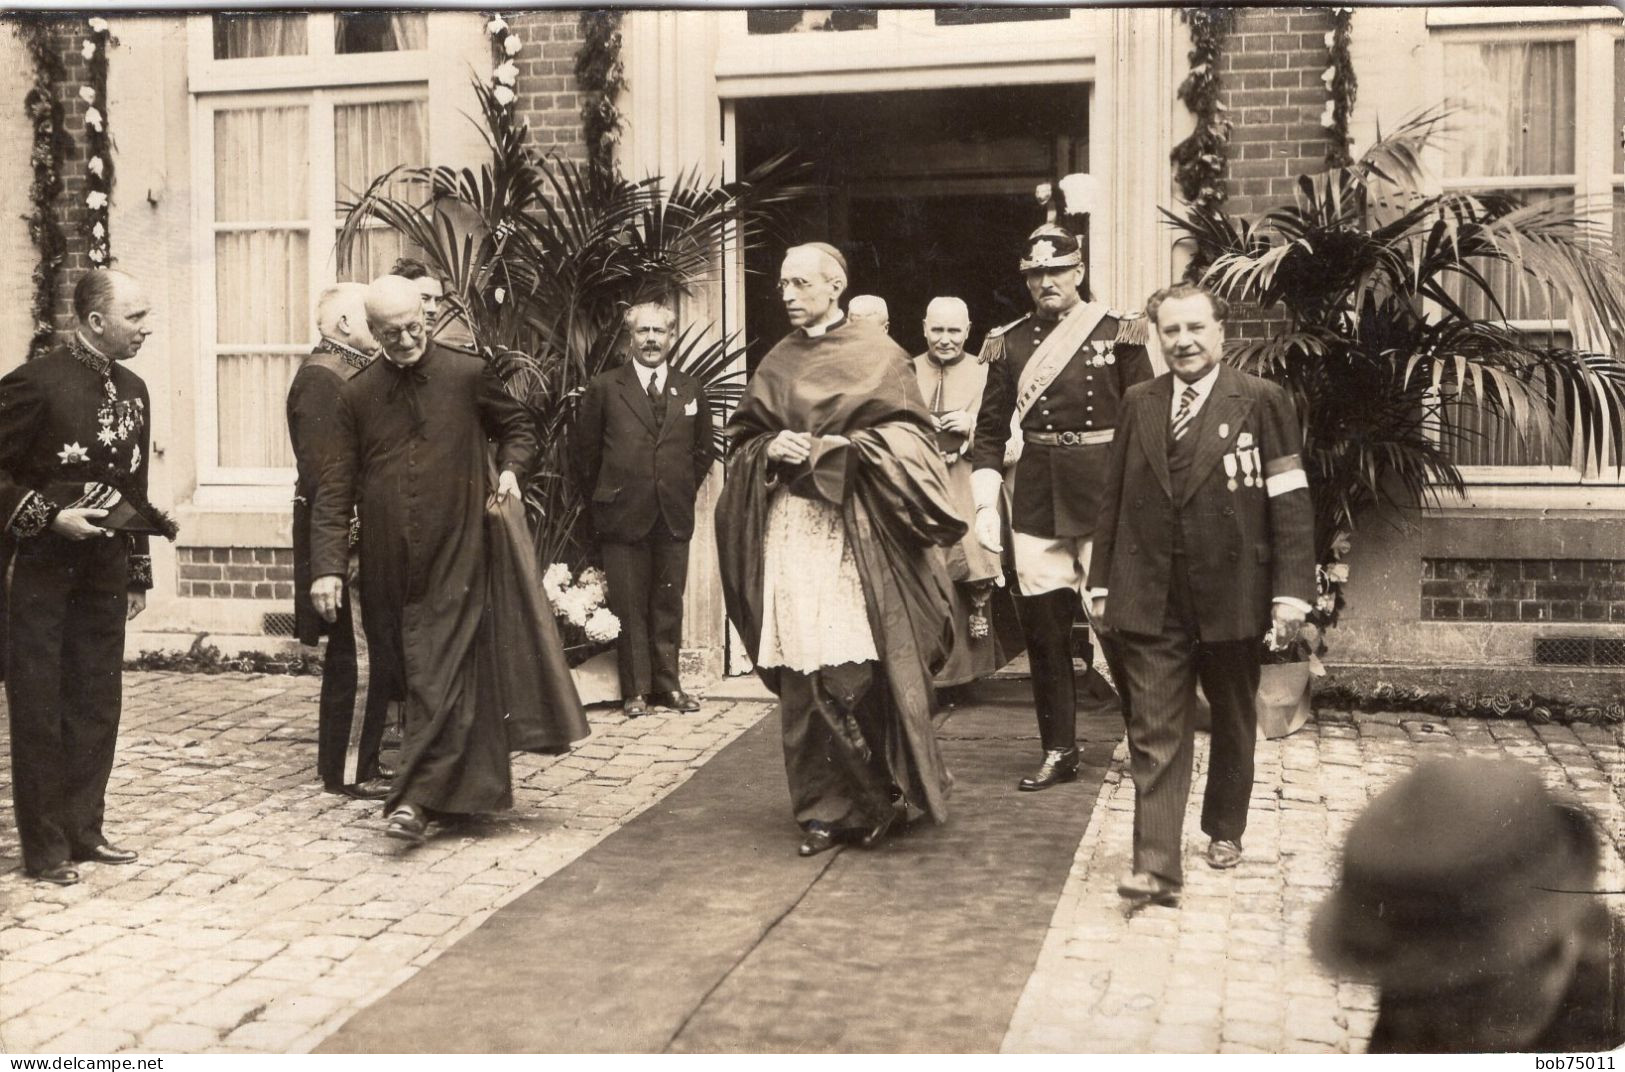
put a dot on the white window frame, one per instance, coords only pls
(319, 81)
(1593, 32)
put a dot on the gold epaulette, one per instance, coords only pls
(1132, 328)
(996, 332)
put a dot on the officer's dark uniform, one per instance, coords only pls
(1058, 479)
(68, 418)
(350, 723)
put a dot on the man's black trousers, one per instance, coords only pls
(646, 582)
(350, 726)
(67, 607)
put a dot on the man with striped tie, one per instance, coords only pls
(1205, 541)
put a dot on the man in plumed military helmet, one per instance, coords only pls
(1058, 375)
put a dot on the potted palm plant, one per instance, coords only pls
(541, 256)
(1388, 305)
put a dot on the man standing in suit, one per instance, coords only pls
(350, 723)
(1206, 537)
(1060, 373)
(643, 445)
(75, 418)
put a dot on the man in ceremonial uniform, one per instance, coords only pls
(74, 435)
(1206, 537)
(643, 446)
(1060, 372)
(350, 723)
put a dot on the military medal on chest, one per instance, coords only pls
(1105, 352)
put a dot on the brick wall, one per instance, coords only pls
(235, 572)
(548, 97)
(1523, 590)
(1270, 81)
(69, 36)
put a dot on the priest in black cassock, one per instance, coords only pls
(835, 496)
(454, 613)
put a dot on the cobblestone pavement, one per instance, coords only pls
(264, 912)
(1230, 971)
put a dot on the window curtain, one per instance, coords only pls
(239, 36)
(378, 31)
(262, 277)
(368, 140)
(1520, 108)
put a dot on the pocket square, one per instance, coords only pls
(692, 408)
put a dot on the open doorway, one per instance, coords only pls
(926, 192)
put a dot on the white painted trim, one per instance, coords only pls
(1498, 16)
(1531, 499)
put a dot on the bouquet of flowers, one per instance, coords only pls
(578, 602)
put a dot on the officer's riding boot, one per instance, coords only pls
(1047, 622)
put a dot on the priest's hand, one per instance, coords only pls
(79, 523)
(987, 529)
(955, 421)
(134, 603)
(328, 595)
(507, 485)
(791, 448)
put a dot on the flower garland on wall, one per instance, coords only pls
(49, 149)
(1200, 160)
(98, 147)
(1341, 87)
(601, 76)
(505, 45)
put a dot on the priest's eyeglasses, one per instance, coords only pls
(395, 334)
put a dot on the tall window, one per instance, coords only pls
(279, 160)
(1539, 114)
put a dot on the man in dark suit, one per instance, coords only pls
(1061, 373)
(1206, 536)
(643, 445)
(350, 722)
(75, 418)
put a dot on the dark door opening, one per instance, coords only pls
(926, 192)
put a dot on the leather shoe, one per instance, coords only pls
(1222, 854)
(62, 874)
(820, 838)
(371, 789)
(1060, 765)
(1146, 887)
(873, 836)
(635, 707)
(677, 700)
(407, 823)
(106, 854)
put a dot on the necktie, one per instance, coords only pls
(654, 388)
(1183, 416)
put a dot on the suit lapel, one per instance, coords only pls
(676, 398)
(1224, 410)
(633, 392)
(1152, 419)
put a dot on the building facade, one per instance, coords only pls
(927, 130)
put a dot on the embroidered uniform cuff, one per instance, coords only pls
(355, 532)
(32, 516)
(140, 578)
(1294, 602)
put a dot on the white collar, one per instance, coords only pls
(1204, 387)
(813, 331)
(644, 372)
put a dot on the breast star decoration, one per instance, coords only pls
(73, 452)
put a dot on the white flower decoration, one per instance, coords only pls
(511, 44)
(507, 74)
(496, 25)
(97, 255)
(555, 579)
(95, 166)
(603, 626)
(1328, 115)
(96, 199)
(99, 25)
(93, 118)
(98, 232)
(1331, 36)
(87, 94)
(73, 452)
(1338, 573)
(503, 95)
(500, 295)
(88, 49)
(1327, 75)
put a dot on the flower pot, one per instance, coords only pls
(1283, 698)
(598, 680)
